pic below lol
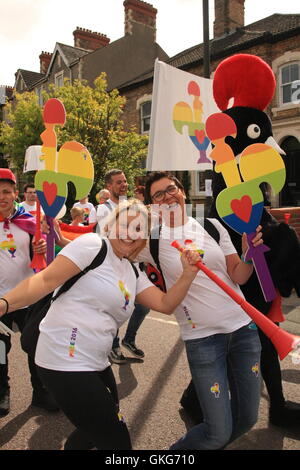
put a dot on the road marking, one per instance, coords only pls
(295, 355)
(170, 322)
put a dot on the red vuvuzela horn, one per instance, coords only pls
(275, 314)
(38, 261)
(283, 341)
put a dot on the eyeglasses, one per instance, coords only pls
(30, 192)
(159, 196)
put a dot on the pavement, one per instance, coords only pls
(291, 311)
(149, 391)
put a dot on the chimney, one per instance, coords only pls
(139, 12)
(89, 40)
(229, 15)
(45, 59)
(6, 93)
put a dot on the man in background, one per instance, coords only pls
(30, 199)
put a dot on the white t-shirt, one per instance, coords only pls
(103, 212)
(79, 328)
(14, 257)
(206, 309)
(90, 215)
(30, 209)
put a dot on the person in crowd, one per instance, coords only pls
(134, 323)
(284, 245)
(116, 183)
(222, 343)
(17, 228)
(30, 199)
(103, 196)
(77, 216)
(79, 327)
(136, 318)
(90, 215)
(139, 193)
(117, 186)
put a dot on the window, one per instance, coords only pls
(59, 79)
(38, 92)
(145, 116)
(200, 182)
(2, 94)
(289, 83)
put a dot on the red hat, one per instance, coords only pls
(7, 174)
(246, 78)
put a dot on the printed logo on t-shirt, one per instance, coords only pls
(189, 244)
(126, 294)
(86, 214)
(190, 321)
(9, 245)
(72, 342)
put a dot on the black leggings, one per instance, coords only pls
(90, 402)
(18, 317)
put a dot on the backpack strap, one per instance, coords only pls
(154, 244)
(97, 261)
(135, 270)
(108, 205)
(212, 230)
(154, 250)
(30, 246)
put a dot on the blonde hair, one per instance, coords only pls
(76, 212)
(129, 207)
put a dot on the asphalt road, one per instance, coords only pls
(149, 393)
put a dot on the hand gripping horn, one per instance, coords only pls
(283, 341)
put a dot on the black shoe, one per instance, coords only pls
(43, 399)
(130, 345)
(115, 356)
(285, 416)
(5, 404)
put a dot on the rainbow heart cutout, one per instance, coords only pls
(242, 208)
(50, 192)
(200, 135)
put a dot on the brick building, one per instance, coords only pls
(276, 39)
(129, 63)
(92, 53)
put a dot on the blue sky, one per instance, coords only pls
(28, 27)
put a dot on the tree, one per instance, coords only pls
(94, 118)
(23, 128)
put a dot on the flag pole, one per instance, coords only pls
(206, 49)
(206, 74)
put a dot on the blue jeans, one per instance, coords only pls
(226, 373)
(135, 321)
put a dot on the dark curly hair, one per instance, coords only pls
(156, 176)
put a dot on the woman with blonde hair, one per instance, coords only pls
(77, 333)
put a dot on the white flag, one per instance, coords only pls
(181, 103)
(32, 160)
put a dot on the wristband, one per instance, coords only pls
(246, 262)
(7, 305)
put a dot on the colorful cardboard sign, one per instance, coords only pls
(72, 163)
(240, 205)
